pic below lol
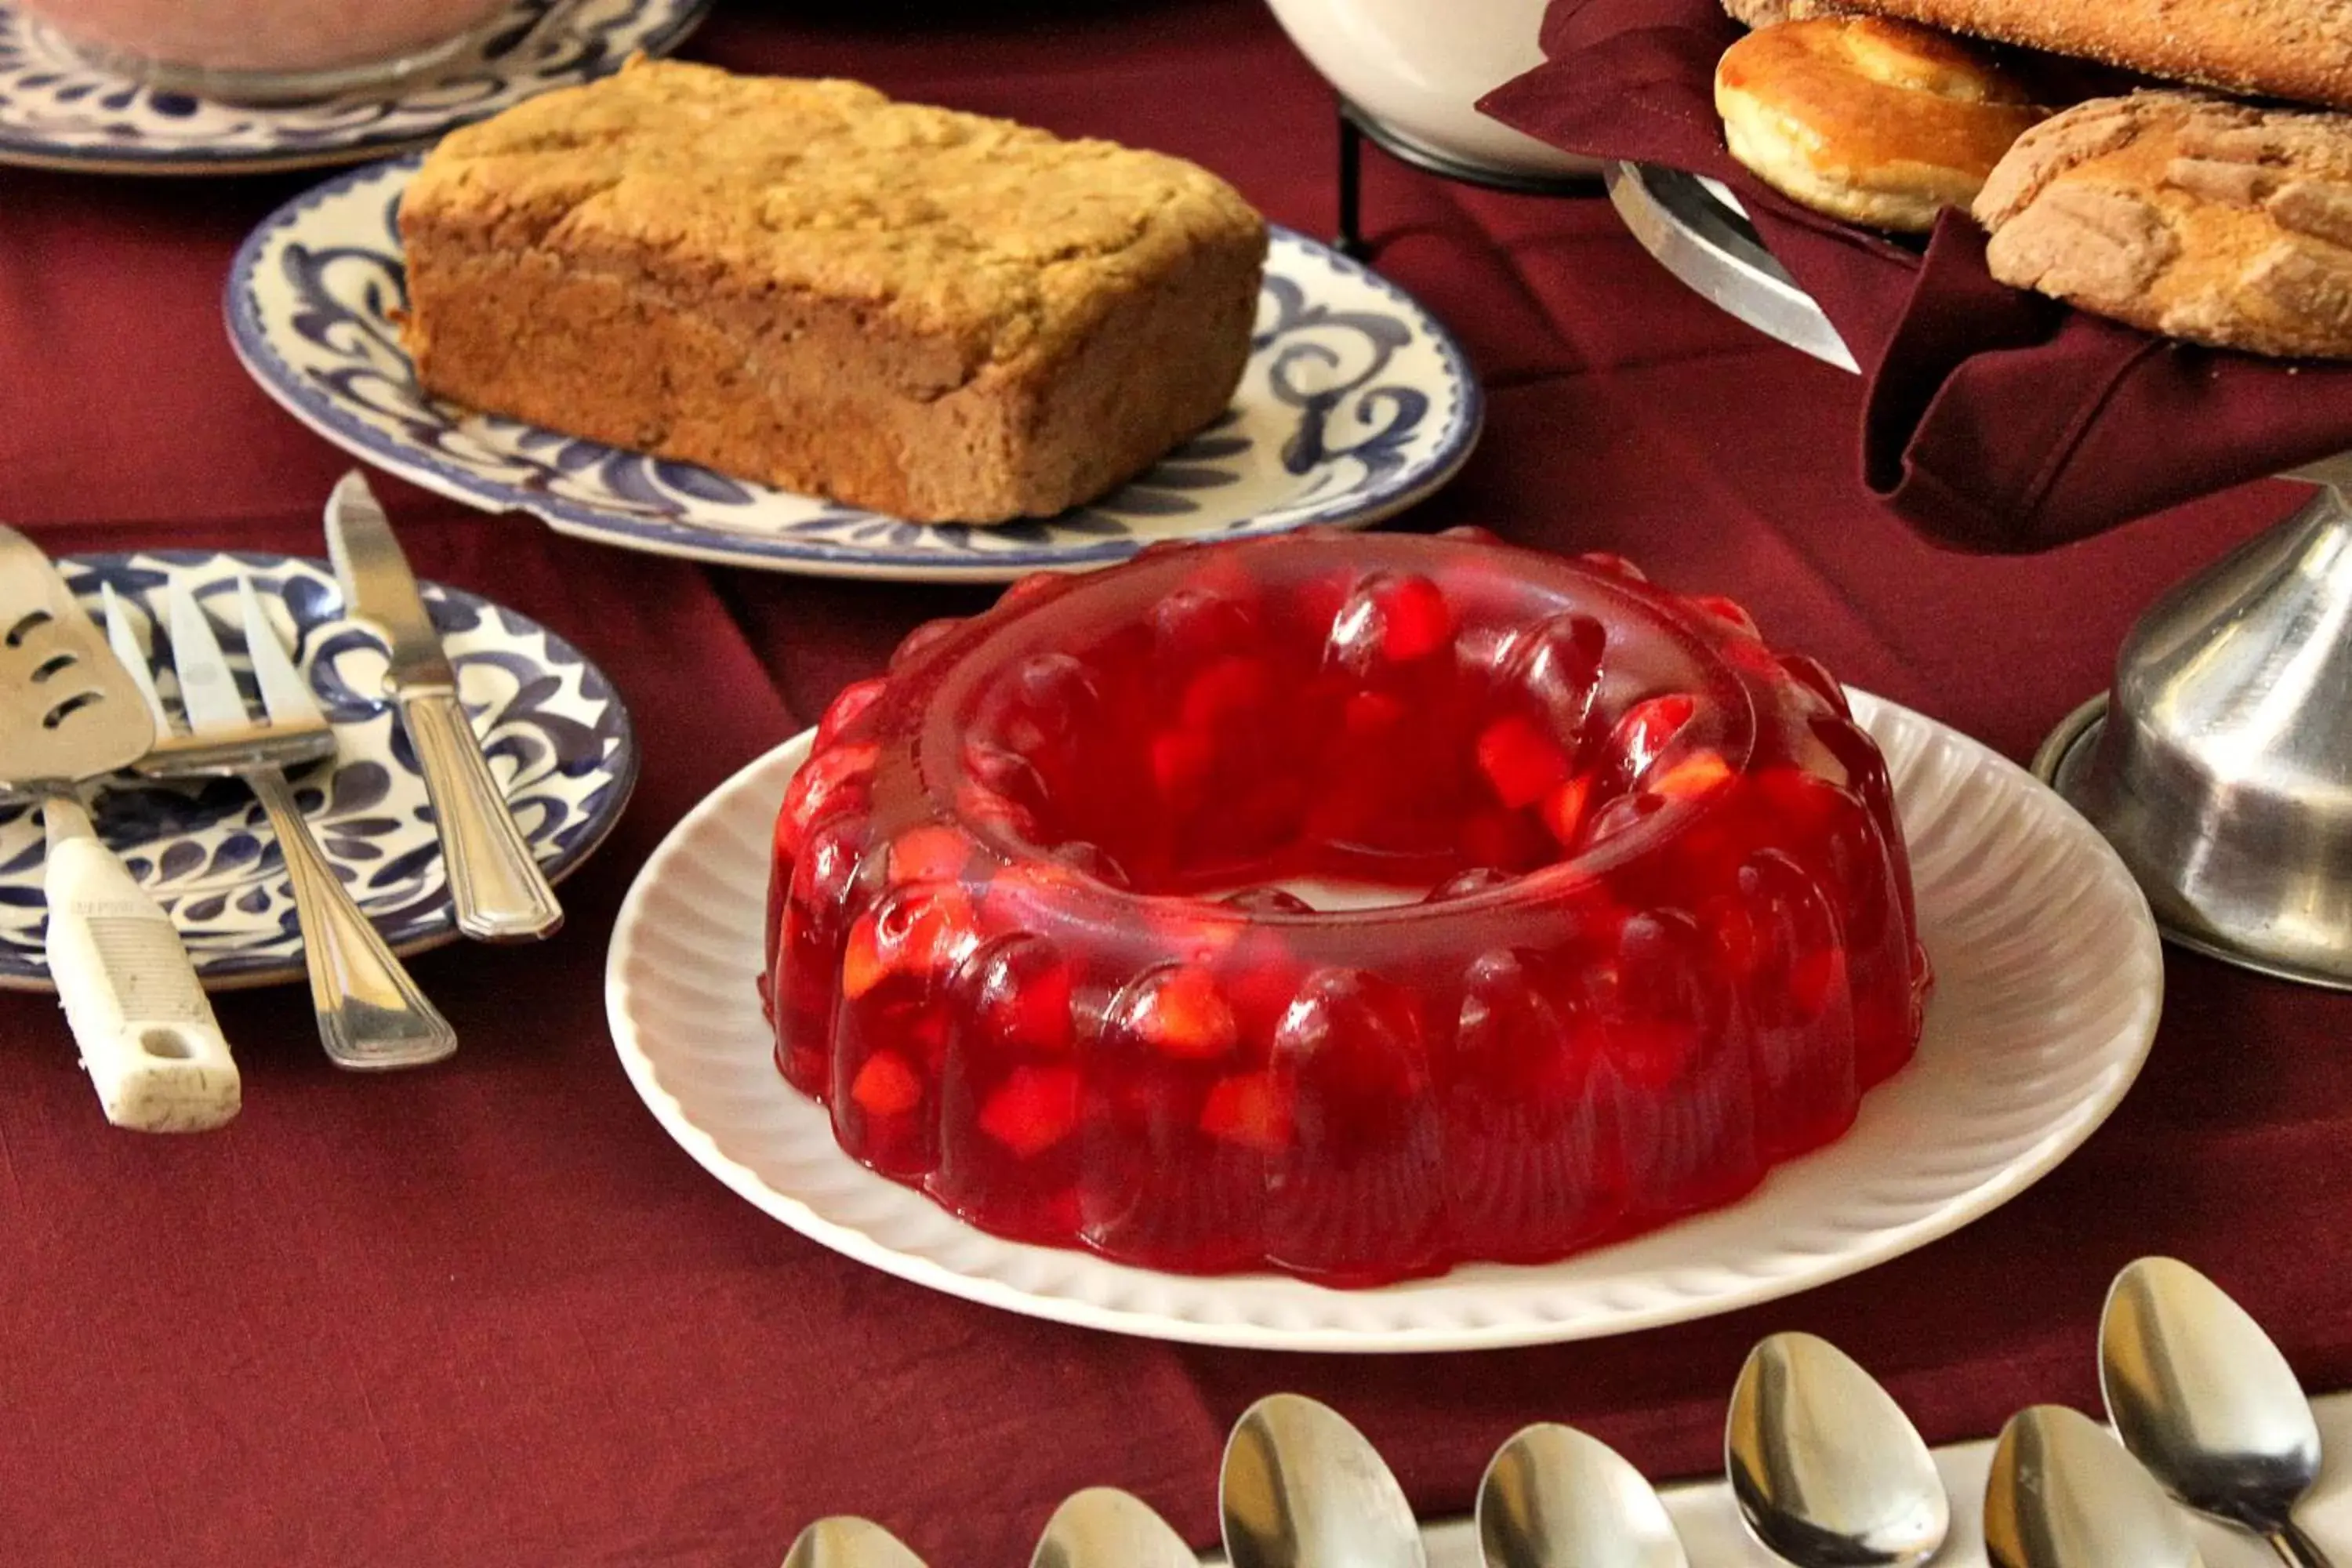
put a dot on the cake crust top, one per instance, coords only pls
(999, 237)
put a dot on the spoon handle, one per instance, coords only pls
(2295, 1549)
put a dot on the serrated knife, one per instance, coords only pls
(498, 890)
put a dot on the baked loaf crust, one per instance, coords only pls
(932, 314)
(2300, 49)
(1771, 13)
(1871, 121)
(2186, 214)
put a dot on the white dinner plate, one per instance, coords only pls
(1355, 405)
(557, 739)
(58, 112)
(2049, 983)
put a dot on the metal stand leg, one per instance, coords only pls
(1351, 243)
(1357, 127)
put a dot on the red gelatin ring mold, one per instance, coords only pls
(1645, 925)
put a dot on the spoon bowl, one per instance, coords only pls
(1553, 1498)
(2063, 1494)
(1300, 1488)
(1827, 1470)
(2201, 1396)
(1104, 1527)
(843, 1540)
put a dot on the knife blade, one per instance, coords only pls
(379, 588)
(499, 892)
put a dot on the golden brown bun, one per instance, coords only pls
(2300, 49)
(1867, 120)
(2186, 214)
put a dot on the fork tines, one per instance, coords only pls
(221, 734)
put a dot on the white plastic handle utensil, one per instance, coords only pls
(145, 1027)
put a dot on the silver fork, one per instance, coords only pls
(372, 1015)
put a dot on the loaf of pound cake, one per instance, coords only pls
(937, 315)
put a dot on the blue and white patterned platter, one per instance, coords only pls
(558, 739)
(1355, 405)
(57, 111)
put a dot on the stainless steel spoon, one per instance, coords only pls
(2203, 1398)
(1302, 1488)
(1826, 1469)
(843, 1540)
(1553, 1498)
(1104, 1527)
(2063, 1494)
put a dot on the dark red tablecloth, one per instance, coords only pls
(490, 1313)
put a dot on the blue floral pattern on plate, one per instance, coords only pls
(57, 111)
(557, 739)
(1355, 405)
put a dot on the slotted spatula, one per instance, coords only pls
(70, 713)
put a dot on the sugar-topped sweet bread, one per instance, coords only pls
(2187, 214)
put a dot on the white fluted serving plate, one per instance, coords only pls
(2049, 982)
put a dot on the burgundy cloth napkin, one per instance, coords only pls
(1995, 420)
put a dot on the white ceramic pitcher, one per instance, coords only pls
(1419, 66)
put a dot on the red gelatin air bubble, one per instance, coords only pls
(1044, 937)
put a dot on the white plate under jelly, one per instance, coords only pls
(58, 112)
(2049, 984)
(1355, 403)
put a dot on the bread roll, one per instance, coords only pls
(2187, 214)
(1867, 120)
(2300, 49)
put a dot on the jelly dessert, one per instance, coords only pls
(1058, 935)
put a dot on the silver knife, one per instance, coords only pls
(496, 886)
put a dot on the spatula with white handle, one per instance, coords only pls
(70, 713)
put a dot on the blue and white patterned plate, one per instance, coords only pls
(58, 112)
(1355, 405)
(559, 743)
